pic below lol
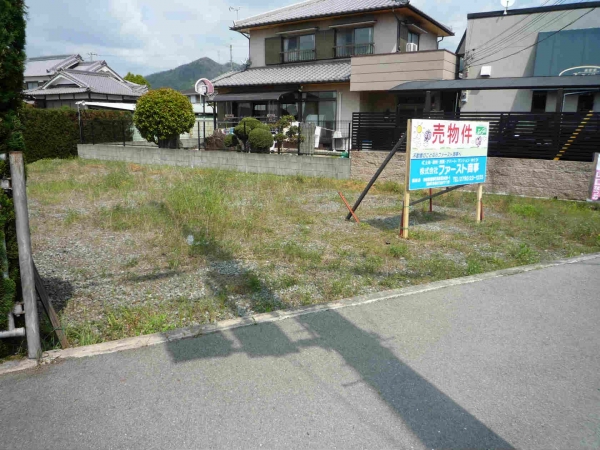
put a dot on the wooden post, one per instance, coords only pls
(32, 324)
(406, 206)
(430, 200)
(479, 201)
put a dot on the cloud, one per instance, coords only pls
(146, 36)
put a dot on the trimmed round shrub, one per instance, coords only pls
(245, 127)
(260, 140)
(162, 115)
(231, 140)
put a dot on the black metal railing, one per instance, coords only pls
(569, 136)
(298, 56)
(346, 51)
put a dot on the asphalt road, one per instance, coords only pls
(510, 362)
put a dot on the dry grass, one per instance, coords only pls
(254, 243)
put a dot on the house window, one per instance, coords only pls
(352, 42)
(32, 84)
(299, 48)
(413, 38)
(259, 110)
(538, 102)
(585, 102)
(193, 98)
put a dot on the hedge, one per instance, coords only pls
(54, 133)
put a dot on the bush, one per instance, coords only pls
(54, 133)
(231, 140)
(162, 115)
(260, 140)
(216, 141)
(245, 127)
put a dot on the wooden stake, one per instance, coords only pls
(479, 202)
(430, 200)
(50, 312)
(349, 207)
(406, 205)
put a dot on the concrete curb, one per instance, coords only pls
(199, 330)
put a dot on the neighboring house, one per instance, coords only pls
(322, 60)
(196, 101)
(561, 40)
(67, 87)
(40, 70)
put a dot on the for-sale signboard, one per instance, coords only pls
(445, 153)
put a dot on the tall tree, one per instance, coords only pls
(12, 63)
(137, 79)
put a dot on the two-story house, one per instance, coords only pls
(550, 41)
(322, 60)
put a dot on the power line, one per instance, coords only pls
(536, 43)
(503, 45)
(483, 51)
(483, 46)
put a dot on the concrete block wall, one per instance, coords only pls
(568, 180)
(312, 166)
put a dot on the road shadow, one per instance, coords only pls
(436, 419)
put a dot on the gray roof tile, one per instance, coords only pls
(322, 8)
(287, 74)
(48, 65)
(98, 82)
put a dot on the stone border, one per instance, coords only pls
(199, 330)
(285, 164)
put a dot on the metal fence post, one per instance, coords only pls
(198, 132)
(299, 137)
(349, 140)
(32, 324)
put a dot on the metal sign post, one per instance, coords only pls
(204, 87)
(595, 181)
(444, 154)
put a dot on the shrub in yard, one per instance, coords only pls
(162, 115)
(245, 127)
(231, 140)
(216, 141)
(260, 140)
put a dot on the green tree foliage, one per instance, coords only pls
(137, 79)
(162, 115)
(12, 62)
(246, 125)
(260, 140)
(231, 140)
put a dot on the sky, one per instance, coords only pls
(147, 36)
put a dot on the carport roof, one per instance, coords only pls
(568, 82)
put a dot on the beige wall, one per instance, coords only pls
(528, 177)
(383, 72)
(385, 34)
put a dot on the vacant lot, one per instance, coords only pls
(127, 249)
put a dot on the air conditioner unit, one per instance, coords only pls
(412, 47)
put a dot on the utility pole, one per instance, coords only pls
(92, 55)
(231, 57)
(32, 323)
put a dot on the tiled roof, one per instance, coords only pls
(48, 65)
(323, 8)
(97, 82)
(287, 74)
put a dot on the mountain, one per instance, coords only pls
(184, 77)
